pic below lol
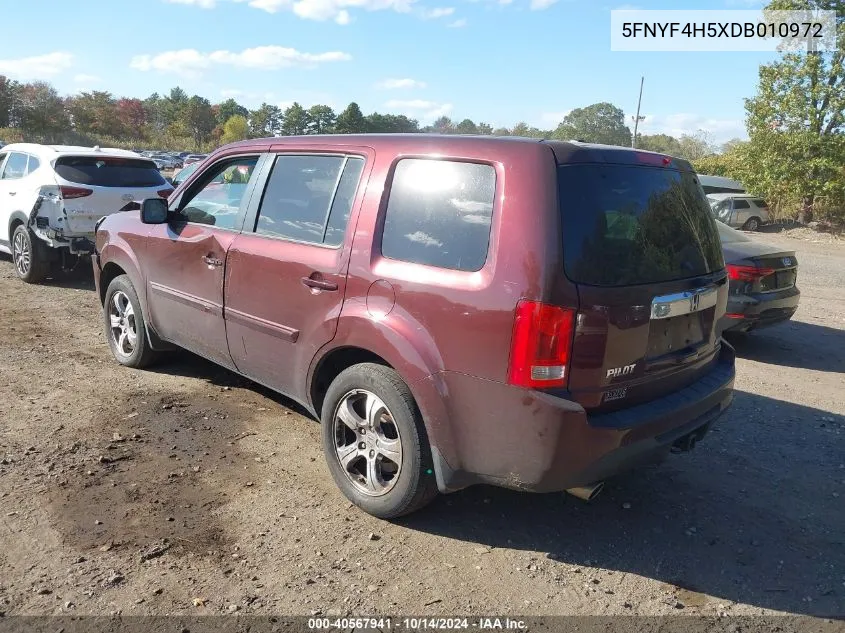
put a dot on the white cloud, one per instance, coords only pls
(439, 12)
(457, 24)
(323, 10)
(202, 4)
(553, 118)
(678, 124)
(397, 84)
(191, 63)
(540, 5)
(421, 109)
(36, 67)
(82, 78)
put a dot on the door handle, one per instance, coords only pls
(212, 261)
(319, 284)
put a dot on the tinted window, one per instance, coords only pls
(741, 204)
(15, 166)
(729, 235)
(343, 199)
(761, 203)
(308, 198)
(109, 172)
(439, 213)
(625, 225)
(715, 189)
(33, 164)
(220, 196)
(182, 175)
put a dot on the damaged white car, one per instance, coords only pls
(51, 197)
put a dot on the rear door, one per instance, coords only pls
(642, 247)
(286, 273)
(95, 186)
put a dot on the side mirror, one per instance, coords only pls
(154, 211)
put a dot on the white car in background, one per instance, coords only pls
(740, 211)
(51, 197)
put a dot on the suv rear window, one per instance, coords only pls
(627, 225)
(109, 172)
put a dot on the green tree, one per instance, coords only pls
(197, 119)
(229, 108)
(390, 124)
(174, 105)
(796, 121)
(95, 114)
(10, 101)
(321, 119)
(295, 121)
(485, 128)
(443, 125)
(695, 146)
(351, 120)
(265, 121)
(663, 143)
(501, 131)
(235, 129)
(467, 126)
(597, 123)
(523, 129)
(154, 112)
(42, 113)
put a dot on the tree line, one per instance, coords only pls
(175, 121)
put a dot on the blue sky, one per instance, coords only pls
(499, 61)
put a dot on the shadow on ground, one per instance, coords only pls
(794, 344)
(750, 516)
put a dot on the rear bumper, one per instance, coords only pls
(749, 312)
(532, 441)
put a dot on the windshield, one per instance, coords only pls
(626, 225)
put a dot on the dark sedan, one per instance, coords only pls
(762, 282)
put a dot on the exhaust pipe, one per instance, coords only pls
(587, 493)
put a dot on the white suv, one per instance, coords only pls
(51, 197)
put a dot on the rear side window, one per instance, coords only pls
(761, 203)
(15, 166)
(439, 213)
(33, 164)
(741, 204)
(109, 172)
(309, 198)
(627, 225)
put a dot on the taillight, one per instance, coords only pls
(69, 193)
(657, 160)
(747, 273)
(541, 345)
(164, 193)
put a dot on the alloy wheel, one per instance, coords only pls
(22, 253)
(122, 325)
(367, 443)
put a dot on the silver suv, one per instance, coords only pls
(739, 210)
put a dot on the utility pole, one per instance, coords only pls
(638, 118)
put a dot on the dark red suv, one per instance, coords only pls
(456, 310)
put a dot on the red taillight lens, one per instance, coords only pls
(165, 193)
(69, 193)
(541, 344)
(747, 273)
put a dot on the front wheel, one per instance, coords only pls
(126, 330)
(375, 443)
(30, 256)
(752, 224)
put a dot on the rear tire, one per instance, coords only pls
(30, 255)
(751, 224)
(375, 443)
(126, 328)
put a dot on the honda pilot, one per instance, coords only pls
(538, 315)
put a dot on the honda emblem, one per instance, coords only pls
(694, 301)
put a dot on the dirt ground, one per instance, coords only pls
(189, 490)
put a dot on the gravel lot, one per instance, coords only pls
(189, 490)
